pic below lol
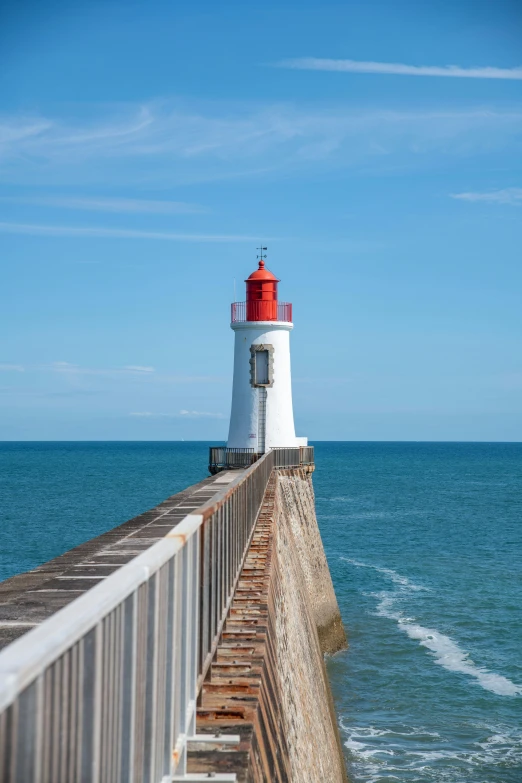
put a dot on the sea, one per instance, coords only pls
(424, 542)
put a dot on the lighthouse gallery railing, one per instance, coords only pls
(106, 689)
(260, 310)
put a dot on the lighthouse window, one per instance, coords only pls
(261, 360)
(261, 364)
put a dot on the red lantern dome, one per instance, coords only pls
(261, 295)
(261, 299)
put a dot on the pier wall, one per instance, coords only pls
(308, 624)
(269, 683)
(297, 512)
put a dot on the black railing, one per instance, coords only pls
(223, 458)
(288, 457)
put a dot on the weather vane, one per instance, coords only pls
(261, 254)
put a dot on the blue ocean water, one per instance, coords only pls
(54, 496)
(424, 543)
(425, 547)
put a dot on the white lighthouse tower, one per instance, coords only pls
(262, 414)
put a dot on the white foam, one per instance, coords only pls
(337, 499)
(419, 755)
(446, 652)
(389, 572)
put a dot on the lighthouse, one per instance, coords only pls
(262, 414)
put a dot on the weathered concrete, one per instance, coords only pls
(268, 682)
(297, 510)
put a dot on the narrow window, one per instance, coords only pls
(261, 359)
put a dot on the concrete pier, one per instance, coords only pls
(187, 642)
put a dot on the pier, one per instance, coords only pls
(150, 653)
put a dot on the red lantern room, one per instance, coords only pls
(261, 295)
(261, 299)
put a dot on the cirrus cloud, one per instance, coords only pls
(183, 414)
(511, 196)
(32, 229)
(400, 69)
(102, 204)
(5, 367)
(177, 145)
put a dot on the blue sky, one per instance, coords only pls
(146, 148)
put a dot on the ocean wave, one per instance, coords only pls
(445, 651)
(417, 755)
(336, 499)
(448, 654)
(398, 579)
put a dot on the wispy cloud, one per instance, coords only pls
(174, 144)
(38, 393)
(44, 129)
(138, 368)
(16, 129)
(49, 137)
(400, 69)
(127, 372)
(75, 369)
(183, 414)
(511, 196)
(120, 205)
(62, 366)
(117, 233)
(11, 367)
(200, 414)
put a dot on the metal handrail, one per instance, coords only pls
(106, 688)
(293, 456)
(223, 457)
(261, 310)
